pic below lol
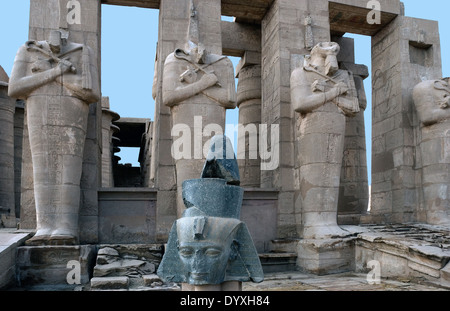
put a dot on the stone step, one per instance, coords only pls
(278, 262)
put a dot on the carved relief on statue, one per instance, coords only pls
(196, 76)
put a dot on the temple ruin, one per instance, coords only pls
(123, 211)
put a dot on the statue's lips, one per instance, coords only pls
(199, 276)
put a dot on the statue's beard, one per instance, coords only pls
(444, 104)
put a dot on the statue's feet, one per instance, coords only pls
(38, 240)
(325, 232)
(45, 237)
(62, 237)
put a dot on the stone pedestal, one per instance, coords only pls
(326, 256)
(55, 265)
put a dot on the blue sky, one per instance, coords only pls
(129, 37)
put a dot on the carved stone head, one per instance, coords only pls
(432, 101)
(324, 55)
(209, 245)
(206, 246)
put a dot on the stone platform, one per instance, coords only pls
(410, 257)
(411, 250)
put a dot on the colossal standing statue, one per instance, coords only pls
(323, 95)
(58, 79)
(432, 102)
(198, 86)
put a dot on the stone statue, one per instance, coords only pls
(58, 79)
(197, 83)
(324, 96)
(432, 102)
(209, 245)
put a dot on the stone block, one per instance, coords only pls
(108, 283)
(127, 215)
(328, 256)
(49, 265)
(150, 279)
(445, 274)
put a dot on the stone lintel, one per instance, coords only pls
(248, 11)
(238, 38)
(149, 4)
(351, 16)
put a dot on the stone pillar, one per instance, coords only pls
(7, 196)
(249, 104)
(404, 53)
(196, 104)
(284, 44)
(18, 151)
(108, 130)
(354, 187)
(173, 22)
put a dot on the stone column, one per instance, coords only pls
(196, 104)
(108, 130)
(354, 187)
(249, 104)
(173, 22)
(284, 44)
(404, 53)
(19, 120)
(7, 196)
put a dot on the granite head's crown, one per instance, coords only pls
(217, 193)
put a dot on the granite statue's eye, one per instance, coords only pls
(213, 252)
(186, 251)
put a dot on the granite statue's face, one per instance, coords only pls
(205, 247)
(205, 261)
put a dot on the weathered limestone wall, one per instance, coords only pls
(145, 157)
(18, 150)
(404, 53)
(7, 195)
(283, 47)
(108, 130)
